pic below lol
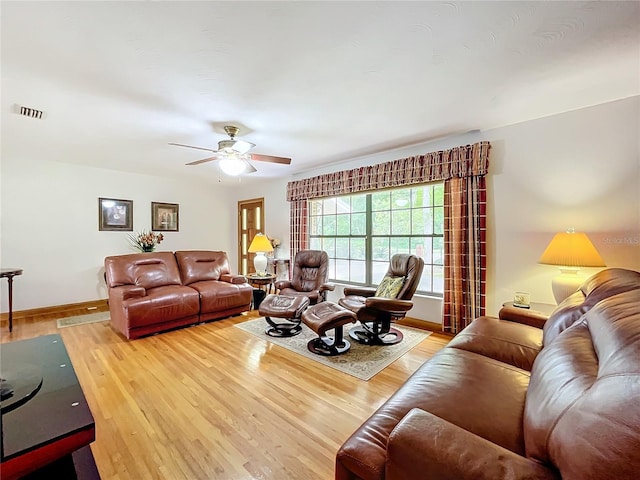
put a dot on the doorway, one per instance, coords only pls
(250, 222)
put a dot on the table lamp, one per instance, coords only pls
(570, 250)
(260, 245)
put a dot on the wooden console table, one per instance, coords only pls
(9, 273)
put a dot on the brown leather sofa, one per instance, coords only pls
(506, 400)
(153, 292)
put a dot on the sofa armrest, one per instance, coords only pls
(392, 305)
(423, 445)
(359, 291)
(533, 318)
(280, 284)
(231, 278)
(127, 292)
(327, 287)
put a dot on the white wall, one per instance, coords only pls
(50, 226)
(579, 169)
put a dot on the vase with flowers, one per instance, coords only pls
(275, 243)
(145, 241)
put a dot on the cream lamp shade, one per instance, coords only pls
(260, 245)
(570, 250)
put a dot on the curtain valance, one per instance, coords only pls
(463, 161)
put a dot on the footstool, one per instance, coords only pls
(326, 316)
(288, 309)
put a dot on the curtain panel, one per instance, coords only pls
(463, 170)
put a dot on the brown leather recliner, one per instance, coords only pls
(376, 313)
(309, 277)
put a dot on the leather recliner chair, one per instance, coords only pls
(308, 277)
(375, 312)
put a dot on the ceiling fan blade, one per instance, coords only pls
(191, 146)
(269, 158)
(250, 168)
(204, 160)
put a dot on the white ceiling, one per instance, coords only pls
(318, 82)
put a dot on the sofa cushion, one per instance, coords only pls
(583, 396)
(389, 287)
(469, 390)
(148, 270)
(162, 304)
(220, 296)
(502, 340)
(201, 265)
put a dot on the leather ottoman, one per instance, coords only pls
(286, 308)
(326, 316)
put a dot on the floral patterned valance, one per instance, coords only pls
(463, 161)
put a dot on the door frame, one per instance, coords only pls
(261, 228)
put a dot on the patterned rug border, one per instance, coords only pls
(361, 361)
(83, 319)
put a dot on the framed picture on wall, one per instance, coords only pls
(164, 217)
(115, 214)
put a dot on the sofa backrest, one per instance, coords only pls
(310, 270)
(201, 265)
(148, 270)
(603, 284)
(582, 411)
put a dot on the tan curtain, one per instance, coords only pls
(463, 170)
(465, 264)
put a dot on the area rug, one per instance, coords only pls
(361, 361)
(83, 319)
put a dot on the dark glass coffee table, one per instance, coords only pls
(45, 416)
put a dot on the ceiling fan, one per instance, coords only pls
(233, 154)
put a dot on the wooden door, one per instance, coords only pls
(250, 222)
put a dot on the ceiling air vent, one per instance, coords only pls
(29, 112)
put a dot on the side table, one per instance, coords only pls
(9, 273)
(264, 284)
(541, 308)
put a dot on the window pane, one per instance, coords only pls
(332, 268)
(315, 244)
(438, 213)
(358, 224)
(401, 198)
(381, 223)
(329, 246)
(315, 207)
(438, 251)
(329, 206)
(401, 222)
(380, 201)
(420, 196)
(438, 194)
(343, 205)
(342, 270)
(422, 221)
(359, 203)
(358, 249)
(438, 279)
(426, 279)
(315, 226)
(342, 248)
(329, 225)
(358, 271)
(344, 224)
(400, 245)
(379, 270)
(380, 249)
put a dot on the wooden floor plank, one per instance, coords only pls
(212, 401)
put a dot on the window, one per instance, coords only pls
(361, 232)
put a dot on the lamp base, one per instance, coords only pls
(260, 263)
(566, 283)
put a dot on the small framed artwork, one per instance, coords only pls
(164, 217)
(115, 214)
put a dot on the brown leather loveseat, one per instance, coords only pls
(505, 400)
(153, 292)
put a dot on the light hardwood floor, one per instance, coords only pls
(214, 402)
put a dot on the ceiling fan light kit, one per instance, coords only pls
(233, 154)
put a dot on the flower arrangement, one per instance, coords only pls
(145, 241)
(275, 243)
